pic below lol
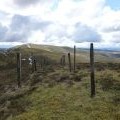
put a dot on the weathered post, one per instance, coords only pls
(63, 60)
(32, 63)
(69, 59)
(74, 58)
(44, 63)
(41, 62)
(92, 70)
(35, 66)
(19, 69)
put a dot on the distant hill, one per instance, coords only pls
(49, 48)
(3, 50)
(55, 52)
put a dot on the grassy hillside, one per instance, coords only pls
(52, 92)
(55, 52)
(8, 73)
(59, 95)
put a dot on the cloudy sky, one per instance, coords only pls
(60, 22)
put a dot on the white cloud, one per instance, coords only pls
(99, 22)
(36, 37)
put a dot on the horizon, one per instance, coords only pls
(83, 48)
(55, 23)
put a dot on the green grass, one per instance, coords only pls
(61, 100)
(74, 103)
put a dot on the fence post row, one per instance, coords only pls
(92, 70)
(19, 69)
(44, 62)
(74, 58)
(69, 60)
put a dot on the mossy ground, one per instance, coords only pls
(60, 95)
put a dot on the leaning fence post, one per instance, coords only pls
(74, 57)
(92, 70)
(69, 59)
(19, 69)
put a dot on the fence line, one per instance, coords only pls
(44, 62)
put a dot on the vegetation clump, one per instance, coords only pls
(106, 81)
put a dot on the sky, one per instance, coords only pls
(60, 22)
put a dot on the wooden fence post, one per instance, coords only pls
(32, 63)
(74, 58)
(61, 61)
(69, 59)
(19, 69)
(44, 63)
(41, 62)
(64, 60)
(92, 70)
(35, 65)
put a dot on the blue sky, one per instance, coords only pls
(60, 22)
(115, 4)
